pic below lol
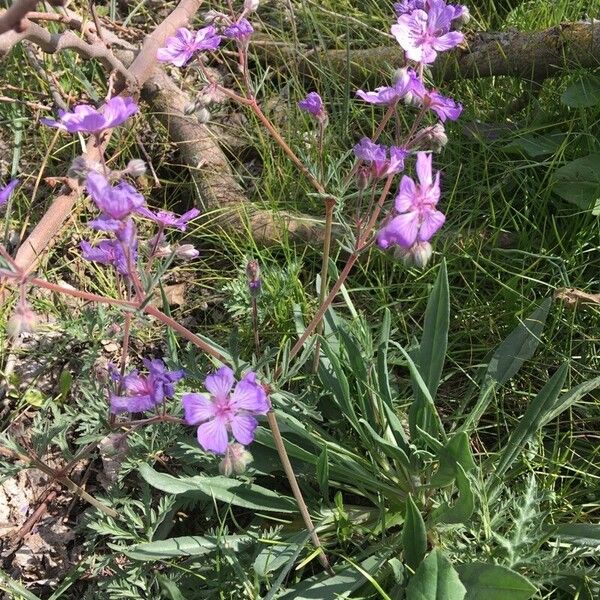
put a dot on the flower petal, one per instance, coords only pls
(242, 427)
(212, 436)
(432, 221)
(249, 395)
(197, 408)
(219, 384)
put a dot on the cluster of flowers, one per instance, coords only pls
(423, 28)
(185, 44)
(225, 417)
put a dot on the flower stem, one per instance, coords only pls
(329, 208)
(289, 472)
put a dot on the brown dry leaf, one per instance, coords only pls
(572, 296)
(175, 295)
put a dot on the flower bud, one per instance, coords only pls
(78, 169)
(418, 255)
(253, 274)
(136, 167)
(186, 252)
(464, 16)
(432, 138)
(23, 320)
(235, 461)
(190, 108)
(203, 115)
(363, 177)
(250, 6)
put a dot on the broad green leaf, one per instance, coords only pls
(456, 452)
(432, 350)
(519, 346)
(532, 420)
(276, 555)
(230, 491)
(571, 397)
(494, 582)
(535, 145)
(463, 507)
(578, 182)
(191, 545)
(583, 92)
(414, 535)
(579, 534)
(435, 579)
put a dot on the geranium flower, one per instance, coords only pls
(406, 82)
(424, 33)
(7, 190)
(87, 119)
(109, 252)
(180, 48)
(376, 155)
(240, 31)
(312, 104)
(417, 218)
(225, 411)
(443, 107)
(144, 392)
(166, 218)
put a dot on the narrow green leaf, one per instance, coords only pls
(494, 582)
(571, 397)
(432, 350)
(519, 346)
(323, 472)
(435, 579)
(414, 535)
(532, 420)
(169, 588)
(191, 545)
(274, 556)
(230, 491)
(579, 534)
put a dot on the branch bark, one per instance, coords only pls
(13, 16)
(533, 55)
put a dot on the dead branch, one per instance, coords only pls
(51, 223)
(14, 15)
(210, 168)
(532, 55)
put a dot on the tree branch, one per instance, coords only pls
(12, 17)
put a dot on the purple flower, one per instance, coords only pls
(443, 107)
(417, 218)
(423, 34)
(166, 218)
(87, 119)
(180, 48)
(225, 411)
(240, 31)
(116, 203)
(313, 104)
(407, 81)
(109, 252)
(407, 6)
(144, 392)
(7, 190)
(377, 156)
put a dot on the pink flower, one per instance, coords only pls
(225, 411)
(443, 107)
(376, 155)
(165, 218)
(407, 82)
(87, 119)
(417, 218)
(424, 33)
(180, 48)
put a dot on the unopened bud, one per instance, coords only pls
(136, 167)
(186, 252)
(253, 274)
(432, 138)
(418, 255)
(203, 115)
(363, 176)
(78, 169)
(23, 320)
(250, 6)
(462, 18)
(235, 461)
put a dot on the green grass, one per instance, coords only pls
(509, 241)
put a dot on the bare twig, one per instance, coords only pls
(12, 17)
